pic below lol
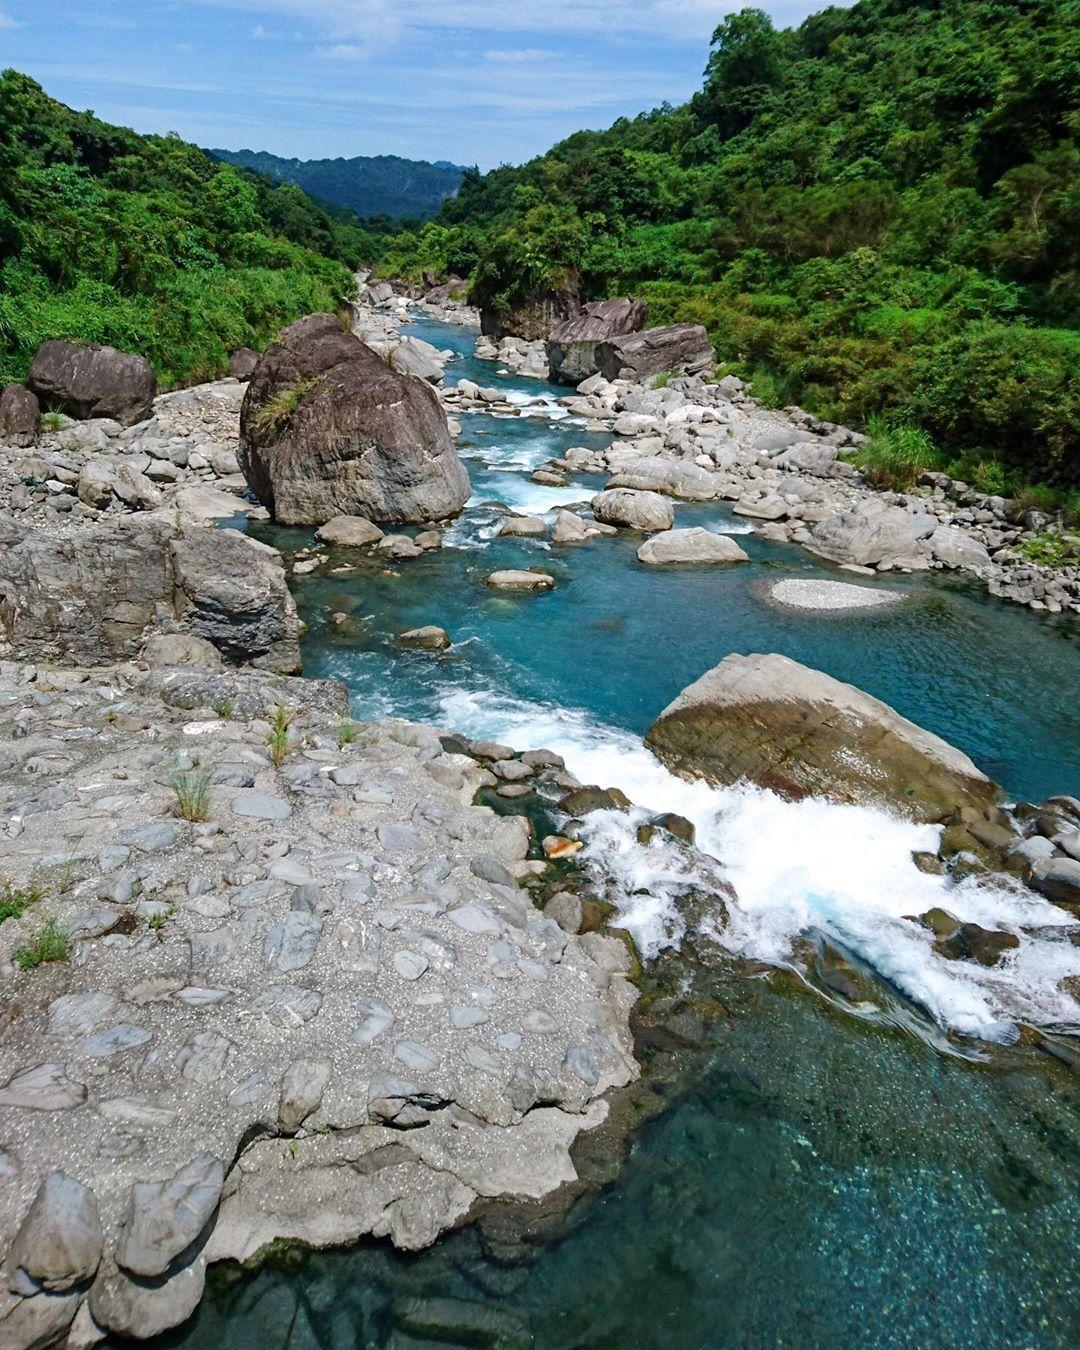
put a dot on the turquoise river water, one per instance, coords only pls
(910, 1179)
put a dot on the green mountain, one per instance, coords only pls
(877, 212)
(378, 185)
(146, 243)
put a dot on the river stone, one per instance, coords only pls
(45, 1087)
(511, 579)
(141, 1311)
(79, 1014)
(291, 942)
(261, 806)
(302, 1091)
(181, 649)
(633, 510)
(59, 1243)
(20, 416)
(525, 527)
(85, 380)
(165, 1217)
(429, 638)
(872, 534)
(349, 532)
(690, 546)
(801, 733)
(327, 428)
(1058, 879)
(242, 362)
(681, 347)
(955, 548)
(571, 350)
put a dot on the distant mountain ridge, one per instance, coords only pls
(370, 185)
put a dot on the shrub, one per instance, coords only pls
(277, 740)
(279, 407)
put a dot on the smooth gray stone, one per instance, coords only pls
(376, 1017)
(165, 1217)
(399, 839)
(287, 1005)
(476, 918)
(45, 1087)
(254, 1088)
(410, 965)
(291, 942)
(133, 1111)
(154, 837)
(464, 1017)
(114, 1041)
(302, 1090)
(582, 1062)
(261, 806)
(59, 1243)
(419, 1058)
(205, 1057)
(79, 1014)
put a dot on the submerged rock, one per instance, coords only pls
(801, 733)
(513, 580)
(430, 637)
(328, 428)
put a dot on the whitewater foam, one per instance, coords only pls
(844, 871)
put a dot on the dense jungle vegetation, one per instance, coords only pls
(876, 215)
(146, 243)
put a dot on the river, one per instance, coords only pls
(833, 1174)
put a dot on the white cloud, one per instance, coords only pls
(6, 21)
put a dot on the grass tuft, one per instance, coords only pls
(279, 407)
(15, 900)
(277, 742)
(193, 794)
(894, 457)
(49, 943)
(347, 732)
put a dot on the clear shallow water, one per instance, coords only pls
(827, 1178)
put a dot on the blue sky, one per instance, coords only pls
(475, 81)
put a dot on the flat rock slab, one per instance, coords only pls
(830, 595)
(250, 1001)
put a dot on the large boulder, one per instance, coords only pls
(97, 595)
(633, 510)
(572, 346)
(680, 347)
(242, 362)
(86, 380)
(328, 428)
(874, 535)
(531, 316)
(801, 733)
(694, 545)
(20, 416)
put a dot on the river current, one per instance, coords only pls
(830, 1176)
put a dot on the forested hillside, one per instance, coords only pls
(370, 185)
(146, 243)
(877, 212)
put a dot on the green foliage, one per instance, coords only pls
(49, 943)
(876, 212)
(1052, 550)
(193, 793)
(347, 732)
(14, 900)
(894, 457)
(146, 243)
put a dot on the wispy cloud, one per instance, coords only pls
(6, 21)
